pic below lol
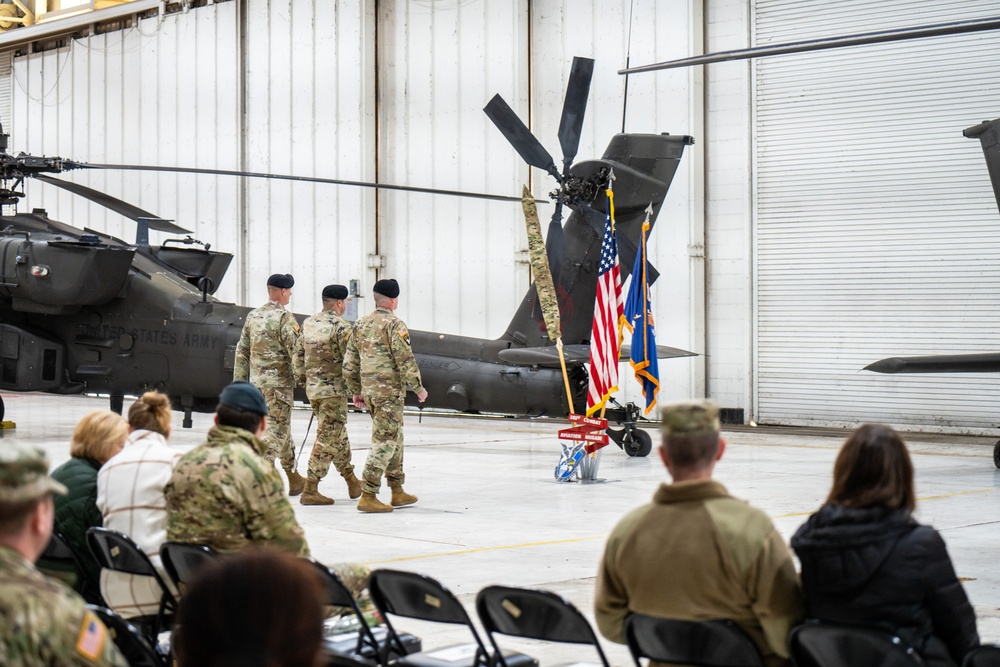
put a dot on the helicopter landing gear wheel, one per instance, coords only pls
(2, 410)
(637, 442)
(996, 448)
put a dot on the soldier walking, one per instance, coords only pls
(266, 357)
(324, 341)
(378, 367)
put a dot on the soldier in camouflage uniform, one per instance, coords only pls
(323, 344)
(42, 622)
(266, 357)
(224, 493)
(378, 367)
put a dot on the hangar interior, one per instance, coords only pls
(830, 214)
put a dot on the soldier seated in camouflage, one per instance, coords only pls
(224, 493)
(42, 622)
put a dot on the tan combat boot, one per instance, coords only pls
(353, 485)
(296, 482)
(401, 498)
(312, 496)
(370, 503)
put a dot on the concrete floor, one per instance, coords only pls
(491, 512)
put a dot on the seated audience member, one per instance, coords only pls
(97, 437)
(866, 561)
(695, 552)
(130, 497)
(258, 608)
(225, 494)
(44, 622)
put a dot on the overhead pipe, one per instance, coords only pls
(862, 39)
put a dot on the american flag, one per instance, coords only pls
(605, 336)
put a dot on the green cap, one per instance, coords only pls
(24, 474)
(690, 418)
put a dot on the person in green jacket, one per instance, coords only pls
(696, 553)
(97, 437)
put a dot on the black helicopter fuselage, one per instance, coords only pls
(81, 311)
(103, 330)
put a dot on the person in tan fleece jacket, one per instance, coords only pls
(697, 553)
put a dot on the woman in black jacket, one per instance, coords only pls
(866, 561)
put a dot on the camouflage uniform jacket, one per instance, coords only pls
(224, 494)
(323, 344)
(266, 353)
(42, 622)
(379, 360)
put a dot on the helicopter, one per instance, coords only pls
(82, 311)
(988, 133)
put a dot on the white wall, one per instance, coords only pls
(727, 146)
(300, 95)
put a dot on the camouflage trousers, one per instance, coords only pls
(331, 443)
(278, 436)
(355, 577)
(386, 455)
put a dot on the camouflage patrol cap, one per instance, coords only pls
(335, 292)
(243, 396)
(690, 418)
(24, 474)
(282, 280)
(387, 287)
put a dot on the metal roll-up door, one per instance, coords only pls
(876, 231)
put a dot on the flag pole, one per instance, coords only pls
(562, 362)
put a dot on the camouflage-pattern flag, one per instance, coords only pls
(540, 266)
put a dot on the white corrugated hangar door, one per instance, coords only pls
(876, 230)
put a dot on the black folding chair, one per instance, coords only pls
(982, 656)
(182, 561)
(131, 643)
(719, 643)
(368, 646)
(420, 597)
(534, 614)
(816, 644)
(116, 551)
(59, 553)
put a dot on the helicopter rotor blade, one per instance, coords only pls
(555, 243)
(574, 106)
(117, 205)
(519, 136)
(288, 177)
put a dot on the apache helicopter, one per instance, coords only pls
(988, 133)
(81, 311)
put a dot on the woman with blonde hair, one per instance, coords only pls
(866, 561)
(130, 496)
(97, 437)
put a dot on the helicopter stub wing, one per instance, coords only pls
(548, 357)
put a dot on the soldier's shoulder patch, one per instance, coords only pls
(90, 642)
(404, 334)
